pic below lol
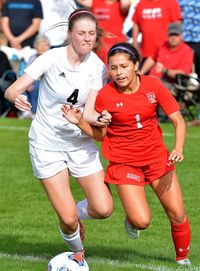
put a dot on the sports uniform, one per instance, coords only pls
(179, 58)
(153, 18)
(111, 19)
(61, 84)
(133, 143)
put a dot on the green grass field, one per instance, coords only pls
(29, 235)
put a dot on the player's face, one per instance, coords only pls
(83, 36)
(122, 70)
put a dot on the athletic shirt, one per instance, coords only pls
(20, 14)
(153, 18)
(62, 84)
(134, 135)
(180, 58)
(110, 19)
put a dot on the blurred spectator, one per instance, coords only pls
(152, 18)
(4, 63)
(21, 21)
(111, 15)
(174, 57)
(128, 23)
(191, 28)
(7, 77)
(56, 11)
(41, 44)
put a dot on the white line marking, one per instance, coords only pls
(14, 128)
(21, 128)
(109, 262)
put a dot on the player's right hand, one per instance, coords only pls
(71, 113)
(22, 104)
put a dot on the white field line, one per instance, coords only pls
(16, 128)
(108, 262)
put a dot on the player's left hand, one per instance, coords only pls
(176, 156)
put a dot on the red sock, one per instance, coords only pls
(181, 238)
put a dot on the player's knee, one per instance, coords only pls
(69, 223)
(103, 211)
(142, 223)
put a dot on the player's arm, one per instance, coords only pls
(180, 133)
(14, 92)
(75, 116)
(93, 117)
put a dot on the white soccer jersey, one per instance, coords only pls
(62, 84)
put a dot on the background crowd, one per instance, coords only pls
(166, 33)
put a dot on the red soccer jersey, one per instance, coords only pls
(153, 18)
(110, 19)
(134, 134)
(179, 59)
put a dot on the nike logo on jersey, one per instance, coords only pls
(62, 74)
(119, 104)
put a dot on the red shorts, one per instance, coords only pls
(128, 174)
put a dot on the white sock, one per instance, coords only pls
(82, 210)
(73, 241)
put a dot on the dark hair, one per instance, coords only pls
(126, 48)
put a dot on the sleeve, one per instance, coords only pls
(40, 65)
(5, 10)
(166, 99)
(38, 12)
(175, 11)
(99, 78)
(135, 17)
(186, 61)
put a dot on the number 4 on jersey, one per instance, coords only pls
(73, 98)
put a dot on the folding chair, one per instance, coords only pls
(188, 89)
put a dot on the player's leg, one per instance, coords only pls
(58, 191)
(50, 167)
(98, 202)
(168, 190)
(134, 202)
(85, 166)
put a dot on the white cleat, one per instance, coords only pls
(132, 232)
(184, 262)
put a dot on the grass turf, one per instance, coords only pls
(29, 235)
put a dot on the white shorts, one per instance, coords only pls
(80, 163)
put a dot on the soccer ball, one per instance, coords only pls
(63, 262)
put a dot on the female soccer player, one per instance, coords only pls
(58, 149)
(134, 146)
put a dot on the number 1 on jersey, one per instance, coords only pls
(139, 125)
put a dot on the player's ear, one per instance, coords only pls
(137, 66)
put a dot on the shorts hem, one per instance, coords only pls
(58, 170)
(130, 183)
